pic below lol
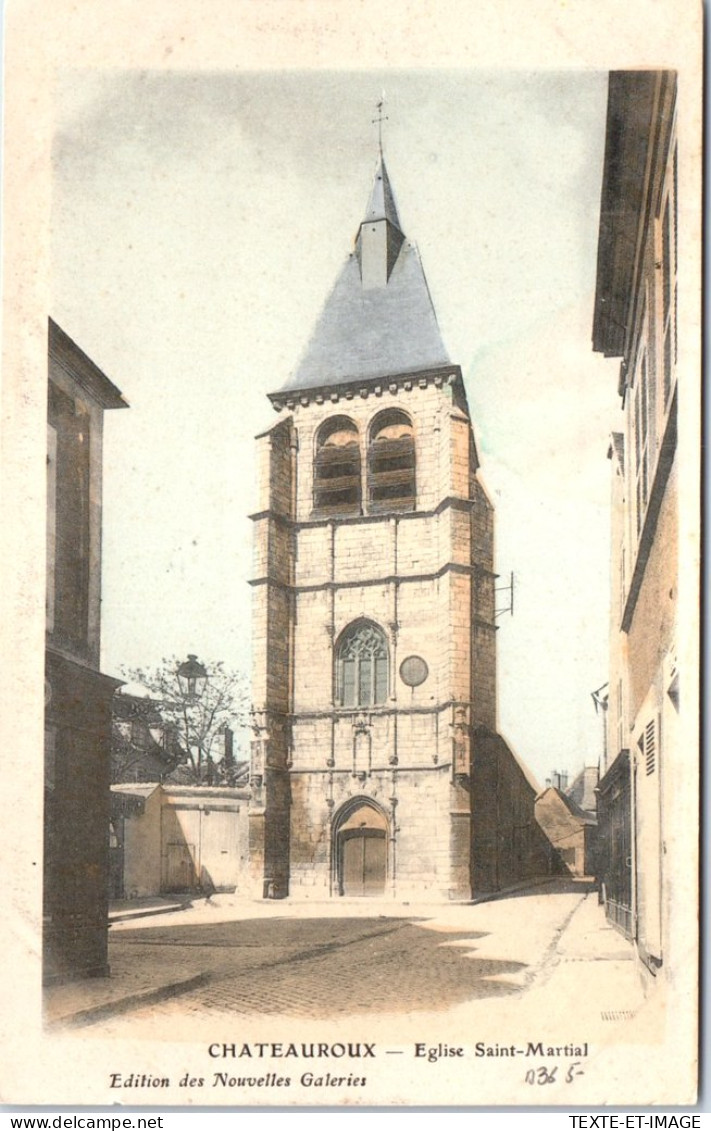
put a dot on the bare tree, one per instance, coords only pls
(200, 722)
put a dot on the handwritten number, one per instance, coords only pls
(544, 1075)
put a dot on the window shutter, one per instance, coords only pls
(650, 748)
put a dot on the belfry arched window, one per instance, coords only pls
(337, 479)
(391, 462)
(362, 666)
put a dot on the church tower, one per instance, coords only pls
(374, 635)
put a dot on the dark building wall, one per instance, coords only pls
(508, 844)
(78, 696)
(72, 428)
(77, 814)
(615, 845)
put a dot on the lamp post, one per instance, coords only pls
(192, 680)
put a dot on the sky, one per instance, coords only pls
(199, 220)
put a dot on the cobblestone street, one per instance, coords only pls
(328, 962)
(326, 967)
(534, 968)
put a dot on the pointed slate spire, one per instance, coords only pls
(381, 205)
(380, 236)
(379, 318)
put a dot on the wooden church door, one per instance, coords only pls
(363, 862)
(361, 852)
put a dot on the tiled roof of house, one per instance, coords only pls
(570, 805)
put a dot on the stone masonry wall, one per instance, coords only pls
(424, 577)
(418, 845)
(430, 409)
(272, 665)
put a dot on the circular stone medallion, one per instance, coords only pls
(413, 671)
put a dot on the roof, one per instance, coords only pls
(129, 798)
(381, 205)
(369, 332)
(136, 789)
(205, 791)
(569, 804)
(76, 363)
(132, 690)
(135, 707)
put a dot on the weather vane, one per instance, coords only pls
(380, 119)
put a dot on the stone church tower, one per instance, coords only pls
(374, 637)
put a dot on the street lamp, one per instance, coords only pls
(192, 678)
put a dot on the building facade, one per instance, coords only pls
(171, 838)
(636, 320)
(78, 696)
(572, 833)
(375, 757)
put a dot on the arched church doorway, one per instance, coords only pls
(361, 850)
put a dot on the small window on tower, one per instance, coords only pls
(337, 480)
(391, 463)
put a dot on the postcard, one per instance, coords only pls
(351, 434)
